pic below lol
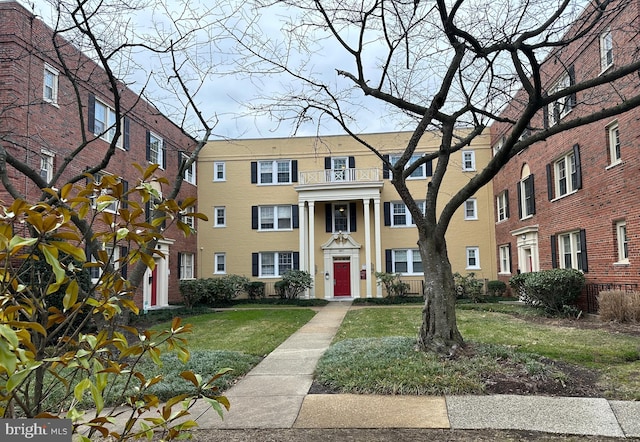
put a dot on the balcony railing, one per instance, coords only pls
(339, 176)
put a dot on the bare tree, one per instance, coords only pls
(447, 66)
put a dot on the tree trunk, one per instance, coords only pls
(439, 332)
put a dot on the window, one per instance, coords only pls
(423, 171)
(187, 219)
(613, 138)
(186, 265)
(339, 168)
(156, 153)
(468, 160)
(274, 218)
(189, 172)
(220, 214)
(397, 214)
(275, 263)
(505, 258)
(473, 257)
(219, 171)
(220, 263)
(571, 250)
(50, 84)
(109, 256)
(46, 165)
(563, 105)
(502, 205)
(606, 50)
(526, 194)
(498, 145)
(566, 175)
(471, 209)
(340, 218)
(623, 242)
(274, 172)
(104, 200)
(105, 122)
(406, 261)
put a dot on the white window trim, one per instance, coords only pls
(184, 265)
(410, 254)
(474, 216)
(347, 216)
(410, 221)
(606, 46)
(472, 158)
(106, 135)
(215, 171)
(611, 127)
(419, 174)
(476, 251)
(189, 220)
(274, 173)
(215, 216)
(574, 237)
(566, 161)
(219, 258)
(160, 152)
(523, 198)
(48, 158)
(505, 259)
(190, 172)
(276, 264)
(276, 226)
(622, 239)
(563, 82)
(339, 169)
(113, 206)
(501, 203)
(55, 86)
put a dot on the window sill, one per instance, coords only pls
(471, 219)
(625, 263)
(612, 165)
(605, 69)
(564, 196)
(473, 268)
(526, 217)
(502, 221)
(504, 273)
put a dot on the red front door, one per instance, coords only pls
(341, 275)
(154, 286)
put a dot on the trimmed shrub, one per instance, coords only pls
(392, 284)
(497, 288)
(468, 286)
(255, 289)
(225, 288)
(555, 291)
(192, 292)
(619, 306)
(293, 283)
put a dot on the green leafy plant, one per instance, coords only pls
(47, 348)
(293, 283)
(255, 289)
(497, 288)
(468, 286)
(192, 292)
(392, 284)
(552, 290)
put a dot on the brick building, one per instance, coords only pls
(327, 206)
(573, 200)
(44, 119)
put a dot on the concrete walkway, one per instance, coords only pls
(274, 395)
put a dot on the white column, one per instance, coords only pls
(302, 246)
(376, 229)
(312, 248)
(367, 246)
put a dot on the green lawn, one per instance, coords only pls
(496, 335)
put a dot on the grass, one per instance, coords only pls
(495, 334)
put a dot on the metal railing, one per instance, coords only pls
(589, 299)
(339, 176)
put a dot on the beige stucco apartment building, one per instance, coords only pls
(326, 205)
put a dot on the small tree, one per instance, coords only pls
(294, 282)
(392, 284)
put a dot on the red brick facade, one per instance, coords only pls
(31, 125)
(582, 214)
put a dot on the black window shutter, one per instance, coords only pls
(163, 155)
(576, 156)
(296, 260)
(254, 264)
(430, 168)
(148, 146)
(125, 189)
(295, 216)
(387, 213)
(254, 172)
(549, 183)
(352, 162)
(519, 189)
(388, 261)
(327, 162)
(545, 117)
(91, 114)
(583, 250)
(353, 217)
(127, 129)
(532, 192)
(510, 262)
(147, 211)
(179, 265)
(294, 171)
(328, 218)
(572, 81)
(506, 204)
(554, 252)
(385, 167)
(124, 251)
(254, 217)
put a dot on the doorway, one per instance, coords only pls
(342, 278)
